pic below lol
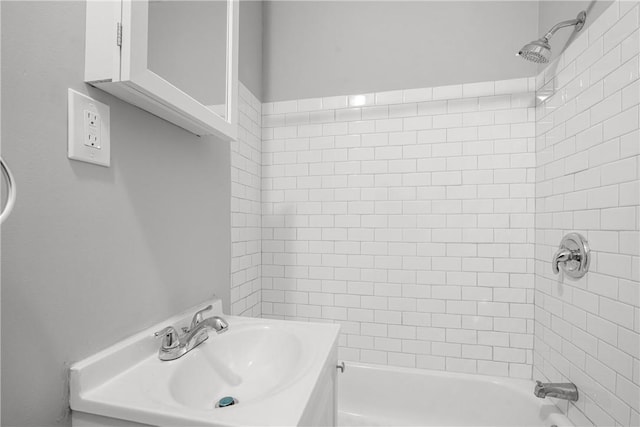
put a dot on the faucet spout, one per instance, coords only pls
(216, 323)
(200, 331)
(566, 391)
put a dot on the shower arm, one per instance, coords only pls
(578, 22)
(562, 24)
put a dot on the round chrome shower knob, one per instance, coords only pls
(573, 256)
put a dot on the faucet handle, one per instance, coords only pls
(561, 255)
(170, 338)
(197, 318)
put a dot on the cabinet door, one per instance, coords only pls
(176, 59)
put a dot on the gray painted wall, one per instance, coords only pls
(250, 56)
(91, 255)
(323, 48)
(552, 12)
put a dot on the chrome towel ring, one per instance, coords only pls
(11, 185)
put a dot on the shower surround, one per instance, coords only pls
(407, 217)
(424, 220)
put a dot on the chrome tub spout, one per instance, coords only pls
(567, 391)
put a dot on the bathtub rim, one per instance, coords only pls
(509, 381)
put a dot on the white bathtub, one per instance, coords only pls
(370, 395)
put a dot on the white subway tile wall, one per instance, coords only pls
(587, 180)
(423, 221)
(246, 208)
(408, 218)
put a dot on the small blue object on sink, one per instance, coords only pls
(226, 401)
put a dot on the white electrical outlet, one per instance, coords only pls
(88, 128)
(91, 132)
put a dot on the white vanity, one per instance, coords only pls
(281, 373)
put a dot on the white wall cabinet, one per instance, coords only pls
(177, 59)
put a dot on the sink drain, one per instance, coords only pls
(226, 401)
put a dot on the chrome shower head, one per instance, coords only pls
(539, 51)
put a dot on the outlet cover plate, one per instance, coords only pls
(79, 145)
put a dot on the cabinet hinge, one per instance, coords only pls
(119, 34)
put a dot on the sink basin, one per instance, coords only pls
(280, 372)
(251, 363)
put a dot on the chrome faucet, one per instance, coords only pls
(175, 345)
(567, 391)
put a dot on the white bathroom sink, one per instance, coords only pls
(250, 363)
(276, 370)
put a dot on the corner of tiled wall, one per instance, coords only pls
(587, 181)
(246, 210)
